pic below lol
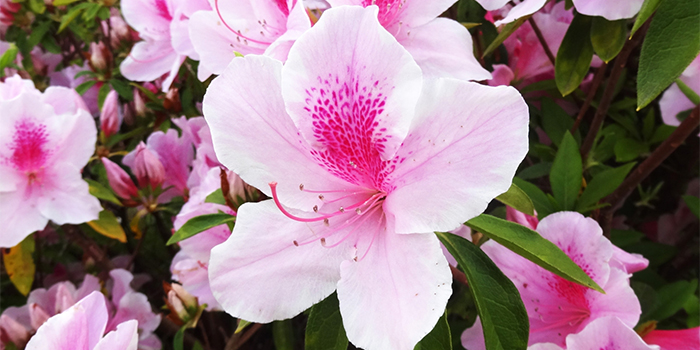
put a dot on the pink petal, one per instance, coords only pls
(627, 262)
(443, 48)
(674, 100)
(64, 100)
(134, 306)
(121, 284)
(473, 337)
(460, 128)
(244, 106)
(376, 75)
(125, 337)
(676, 339)
(611, 10)
(521, 218)
(260, 275)
(20, 218)
(149, 60)
(66, 199)
(151, 18)
(525, 8)
(491, 5)
(607, 333)
(545, 346)
(78, 328)
(394, 296)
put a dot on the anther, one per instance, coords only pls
(301, 187)
(315, 208)
(358, 211)
(320, 196)
(326, 222)
(296, 243)
(342, 210)
(323, 242)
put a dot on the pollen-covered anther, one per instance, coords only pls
(315, 208)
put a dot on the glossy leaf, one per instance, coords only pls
(602, 185)
(108, 226)
(123, 89)
(502, 313)
(671, 298)
(672, 42)
(19, 264)
(506, 31)
(83, 87)
(567, 172)
(574, 56)
(200, 223)
(555, 121)
(517, 199)
(102, 192)
(648, 9)
(324, 329)
(531, 246)
(539, 198)
(608, 37)
(440, 338)
(283, 335)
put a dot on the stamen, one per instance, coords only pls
(374, 235)
(238, 33)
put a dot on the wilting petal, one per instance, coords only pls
(248, 93)
(125, 337)
(607, 333)
(443, 48)
(394, 296)
(462, 129)
(611, 10)
(260, 275)
(349, 65)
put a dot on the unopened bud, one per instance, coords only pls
(14, 331)
(99, 56)
(110, 119)
(189, 300)
(172, 101)
(139, 103)
(146, 166)
(37, 315)
(119, 180)
(177, 306)
(521, 218)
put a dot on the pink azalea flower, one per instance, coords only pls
(110, 118)
(82, 327)
(557, 307)
(119, 180)
(190, 265)
(66, 77)
(611, 10)
(674, 100)
(442, 47)
(163, 26)
(364, 161)
(522, 8)
(146, 166)
(46, 140)
(673, 340)
(605, 333)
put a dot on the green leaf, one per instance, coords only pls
(19, 264)
(82, 88)
(656, 253)
(283, 335)
(574, 56)
(440, 338)
(662, 133)
(63, 2)
(692, 308)
(629, 149)
(648, 9)
(502, 313)
(102, 94)
(555, 121)
(608, 37)
(531, 246)
(567, 172)
(37, 6)
(102, 192)
(688, 92)
(535, 171)
(91, 12)
(539, 198)
(108, 226)
(103, 14)
(506, 31)
(38, 33)
(179, 339)
(671, 298)
(602, 185)
(242, 324)
(198, 224)
(623, 238)
(71, 15)
(216, 197)
(8, 57)
(517, 199)
(693, 204)
(672, 42)
(123, 89)
(324, 329)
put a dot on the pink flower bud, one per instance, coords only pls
(118, 29)
(528, 221)
(189, 300)
(139, 103)
(37, 315)
(13, 331)
(98, 56)
(177, 305)
(110, 119)
(146, 166)
(119, 180)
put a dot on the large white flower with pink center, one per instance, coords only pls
(555, 306)
(364, 159)
(82, 327)
(45, 141)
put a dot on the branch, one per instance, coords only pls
(541, 39)
(597, 79)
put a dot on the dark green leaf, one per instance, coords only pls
(440, 338)
(38, 33)
(517, 199)
(324, 329)
(198, 224)
(672, 42)
(555, 121)
(662, 133)
(648, 9)
(656, 253)
(178, 340)
(63, 2)
(567, 172)
(647, 298)
(91, 12)
(102, 94)
(608, 37)
(574, 55)
(539, 198)
(535, 171)
(649, 124)
(693, 204)
(216, 197)
(102, 192)
(688, 92)
(623, 238)
(503, 315)
(692, 308)
(531, 246)
(602, 185)
(506, 31)
(123, 89)
(629, 149)
(283, 335)
(71, 15)
(671, 298)
(82, 88)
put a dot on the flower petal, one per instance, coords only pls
(259, 275)
(462, 151)
(443, 48)
(394, 296)
(149, 60)
(125, 337)
(65, 198)
(254, 136)
(611, 10)
(607, 333)
(20, 218)
(151, 18)
(348, 82)
(525, 8)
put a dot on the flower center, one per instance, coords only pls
(28, 153)
(388, 9)
(246, 39)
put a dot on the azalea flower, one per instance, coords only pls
(47, 139)
(511, 13)
(674, 101)
(674, 339)
(606, 333)
(66, 77)
(82, 327)
(364, 160)
(163, 24)
(555, 306)
(611, 10)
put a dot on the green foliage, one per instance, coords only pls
(603, 184)
(283, 335)
(324, 329)
(648, 9)
(608, 37)
(505, 32)
(200, 223)
(574, 56)
(567, 172)
(439, 338)
(517, 199)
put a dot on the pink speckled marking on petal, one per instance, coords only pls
(163, 11)
(28, 147)
(389, 10)
(282, 4)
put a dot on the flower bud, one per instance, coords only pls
(528, 221)
(177, 306)
(110, 119)
(117, 28)
(139, 103)
(119, 180)
(172, 101)
(99, 56)
(37, 315)
(146, 166)
(11, 330)
(189, 300)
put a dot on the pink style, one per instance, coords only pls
(344, 137)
